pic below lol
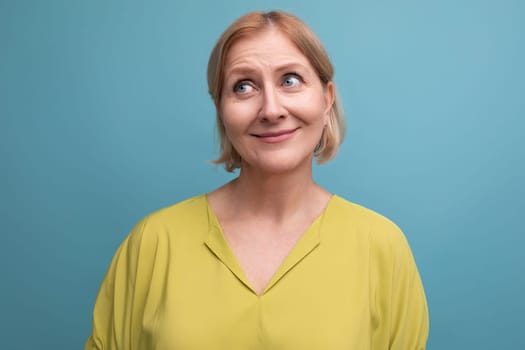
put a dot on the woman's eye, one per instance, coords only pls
(291, 80)
(242, 87)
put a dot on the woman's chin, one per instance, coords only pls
(278, 165)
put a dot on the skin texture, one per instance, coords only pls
(274, 108)
(271, 88)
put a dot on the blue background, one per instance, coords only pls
(105, 117)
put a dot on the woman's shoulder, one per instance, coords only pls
(376, 236)
(178, 217)
(183, 208)
(377, 228)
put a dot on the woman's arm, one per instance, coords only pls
(399, 307)
(120, 300)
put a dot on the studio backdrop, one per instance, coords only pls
(105, 117)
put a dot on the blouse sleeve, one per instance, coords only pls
(120, 300)
(410, 325)
(400, 307)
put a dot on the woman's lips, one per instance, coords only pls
(276, 136)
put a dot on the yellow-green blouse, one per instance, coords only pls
(174, 283)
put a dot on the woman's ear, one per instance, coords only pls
(217, 107)
(329, 97)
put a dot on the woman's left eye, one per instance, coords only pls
(291, 80)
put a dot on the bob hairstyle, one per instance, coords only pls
(308, 43)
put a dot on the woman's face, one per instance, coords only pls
(273, 105)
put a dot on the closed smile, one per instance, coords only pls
(275, 136)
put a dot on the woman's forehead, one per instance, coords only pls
(271, 47)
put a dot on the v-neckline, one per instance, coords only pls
(217, 243)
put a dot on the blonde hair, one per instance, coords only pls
(311, 47)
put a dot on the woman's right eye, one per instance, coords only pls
(243, 87)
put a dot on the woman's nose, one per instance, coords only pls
(271, 106)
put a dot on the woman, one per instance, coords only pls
(270, 260)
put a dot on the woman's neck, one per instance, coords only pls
(276, 197)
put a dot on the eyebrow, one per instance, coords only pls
(245, 68)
